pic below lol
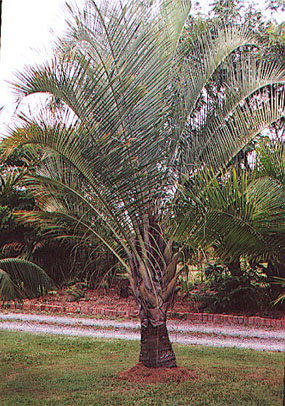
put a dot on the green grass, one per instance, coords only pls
(54, 370)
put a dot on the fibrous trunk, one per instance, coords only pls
(156, 349)
(153, 281)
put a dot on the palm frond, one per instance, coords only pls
(236, 218)
(226, 136)
(21, 278)
(281, 298)
(271, 160)
(8, 290)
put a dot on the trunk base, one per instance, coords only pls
(156, 349)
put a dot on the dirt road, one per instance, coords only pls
(182, 332)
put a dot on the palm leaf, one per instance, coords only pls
(236, 219)
(281, 298)
(20, 278)
(8, 290)
(224, 138)
(271, 160)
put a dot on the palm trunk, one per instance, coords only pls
(156, 349)
(153, 282)
(235, 269)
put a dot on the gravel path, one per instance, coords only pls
(180, 332)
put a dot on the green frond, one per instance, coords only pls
(281, 298)
(20, 278)
(271, 160)
(226, 136)
(8, 290)
(237, 219)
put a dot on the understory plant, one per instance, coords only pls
(248, 291)
(19, 277)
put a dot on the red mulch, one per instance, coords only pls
(106, 299)
(98, 298)
(143, 375)
(110, 299)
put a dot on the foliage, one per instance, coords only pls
(228, 11)
(240, 216)
(248, 291)
(237, 218)
(270, 33)
(76, 290)
(281, 298)
(62, 259)
(12, 196)
(20, 278)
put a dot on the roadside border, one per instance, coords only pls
(224, 319)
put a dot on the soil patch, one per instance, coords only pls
(109, 299)
(102, 299)
(143, 375)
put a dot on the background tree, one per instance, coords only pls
(134, 124)
(241, 217)
(18, 277)
(64, 259)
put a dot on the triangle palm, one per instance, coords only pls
(116, 150)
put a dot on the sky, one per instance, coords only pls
(27, 37)
(27, 34)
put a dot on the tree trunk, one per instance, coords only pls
(275, 270)
(235, 269)
(156, 349)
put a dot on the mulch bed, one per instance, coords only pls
(110, 299)
(143, 375)
(108, 303)
(102, 299)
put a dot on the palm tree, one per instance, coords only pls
(133, 120)
(239, 216)
(18, 277)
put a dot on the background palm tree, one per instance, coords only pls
(240, 216)
(134, 119)
(18, 277)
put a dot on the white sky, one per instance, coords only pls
(27, 38)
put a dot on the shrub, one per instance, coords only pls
(248, 291)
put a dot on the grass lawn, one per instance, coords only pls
(54, 370)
